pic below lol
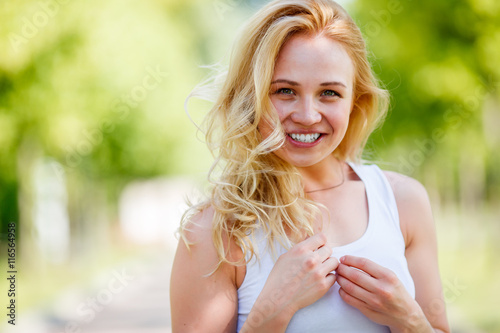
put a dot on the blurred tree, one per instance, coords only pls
(99, 88)
(437, 60)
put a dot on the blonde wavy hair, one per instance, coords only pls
(253, 187)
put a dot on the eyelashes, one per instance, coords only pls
(289, 92)
(284, 91)
(332, 93)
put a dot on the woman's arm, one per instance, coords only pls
(377, 292)
(417, 225)
(202, 302)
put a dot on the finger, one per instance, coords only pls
(314, 242)
(330, 279)
(365, 265)
(351, 300)
(329, 265)
(357, 276)
(324, 252)
(353, 289)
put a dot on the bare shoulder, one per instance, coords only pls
(198, 230)
(406, 188)
(195, 246)
(413, 204)
(411, 196)
(198, 233)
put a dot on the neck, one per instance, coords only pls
(327, 173)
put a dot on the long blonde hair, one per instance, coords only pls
(255, 188)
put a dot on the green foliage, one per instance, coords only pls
(435, 58)
(99, 87)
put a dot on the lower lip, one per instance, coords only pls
(299, 144)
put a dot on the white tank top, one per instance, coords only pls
(382, 243)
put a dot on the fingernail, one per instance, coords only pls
(342, 259)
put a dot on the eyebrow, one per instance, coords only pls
(293, 83)
(333, 83)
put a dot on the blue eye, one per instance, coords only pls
(330, 93)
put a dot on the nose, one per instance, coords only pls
(305, 112)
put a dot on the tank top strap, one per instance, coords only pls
(380, 192)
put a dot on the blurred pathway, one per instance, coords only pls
(131, 298)
(144, 304)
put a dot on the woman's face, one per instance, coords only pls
(311, 90)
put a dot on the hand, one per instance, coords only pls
(300, 277)
(304, 273)
(377, 292)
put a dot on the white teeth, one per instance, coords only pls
(307, 138)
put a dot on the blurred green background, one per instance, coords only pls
(97, 153)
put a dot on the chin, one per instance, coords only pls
(301, 163)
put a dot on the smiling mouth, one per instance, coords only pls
(305, 138)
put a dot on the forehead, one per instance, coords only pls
(314, 58)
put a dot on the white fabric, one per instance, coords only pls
(382, 243)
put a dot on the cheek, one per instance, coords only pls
(267, 124)
(340, 117)
(281, 108)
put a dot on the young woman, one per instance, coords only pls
(297, 235)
